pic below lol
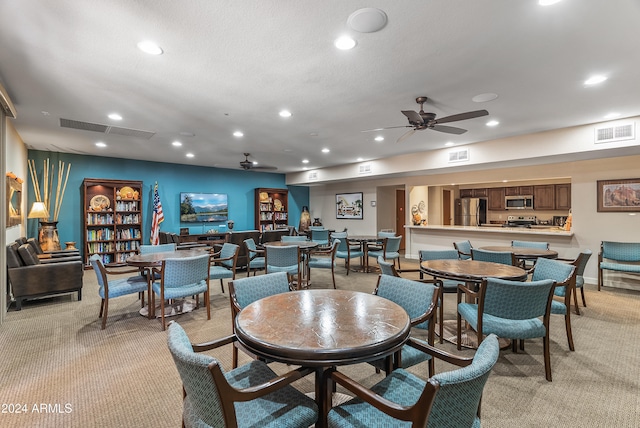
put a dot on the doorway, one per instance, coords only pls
(446, 207)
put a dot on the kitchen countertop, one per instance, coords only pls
(497, 228)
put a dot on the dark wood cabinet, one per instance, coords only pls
(544, 197)
(466, 193)
(495, 198)
(272, 209)
(112, 225)
(518, 191)
(473, 193)
(563, 197)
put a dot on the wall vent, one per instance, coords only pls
(105, 129)
(313, 176)
(364, 169)
(459, 155)
(607, 134)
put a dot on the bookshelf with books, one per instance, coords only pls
(112, 225)
(272, 209)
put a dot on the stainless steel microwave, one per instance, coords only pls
(518, 202)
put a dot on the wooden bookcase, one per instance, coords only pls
(272, 209)
(112, 225)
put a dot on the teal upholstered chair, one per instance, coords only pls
(327, 260)
(245, 291)
(161, 248)
(464, 249)
(181, 278)
(564, 275)
(297, 238)
(580, 263)
(254, 255)
(223, 263)
(345, 250)
(320, 237)
(248, 396)
(510, 310)
(284, 259)
(387, 268)
(109, 289)
(448, 285)
(390, 250)
(419, 299)
(502, 257)
(530, 244)
(455, 404)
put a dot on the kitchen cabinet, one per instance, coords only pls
(495, 199)
(518, 191)
(473, 193)
(544, 197)
(563, 197)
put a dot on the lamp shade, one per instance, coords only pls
(38, 210)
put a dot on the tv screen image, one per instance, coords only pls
(203, 207)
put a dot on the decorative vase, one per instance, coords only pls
(49, 240)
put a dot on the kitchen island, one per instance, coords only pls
(442, 237)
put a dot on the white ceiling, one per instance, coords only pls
(233, 65)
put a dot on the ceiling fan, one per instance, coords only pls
(247, 165)
(421, 120)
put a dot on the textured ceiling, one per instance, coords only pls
(232, 65)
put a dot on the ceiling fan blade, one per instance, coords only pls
(263, 168)
(462, 116)
(448, 129)
(405, 135)
(414, 116)
(388, 127)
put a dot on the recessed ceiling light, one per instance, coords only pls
(493, 123)
(189, 155)
(547, 2)
(345, 43)
(150, 47)
(483, 98)
(305, 160)
(359, 159)
(238, 134)
(325, 150)
(115, 116)
(379, 138)
(176, 143)
(449, 143)
(594, 80)
(505, 181)
(255, 162)
(612, 115)
(367, 20)
(285, 113)
(101, 144)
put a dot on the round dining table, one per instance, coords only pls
(321, 329)
(364, 241)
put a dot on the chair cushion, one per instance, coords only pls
(219, 272)
(558, 307)
(352, 253)
(293, 269)
(506, 328)
(257, 262)
(410, 356)
(389, 255)
(122, 286)
(180, 291)
(321, 262)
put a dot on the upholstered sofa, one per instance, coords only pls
(30, 277)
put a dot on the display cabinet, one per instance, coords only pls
(272, 209)
(112, 225)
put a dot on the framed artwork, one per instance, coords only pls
(619, 195)
(349, 206)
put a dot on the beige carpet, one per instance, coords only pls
(58, 365)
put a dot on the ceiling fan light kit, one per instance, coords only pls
(248, 165)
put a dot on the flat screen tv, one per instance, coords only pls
(203, 207)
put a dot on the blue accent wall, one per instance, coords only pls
(172, 179)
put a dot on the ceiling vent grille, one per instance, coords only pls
(364, 169)
(609, 134)
(313, 176)
(459, 156)
(105, 129)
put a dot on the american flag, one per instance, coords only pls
(158, 217)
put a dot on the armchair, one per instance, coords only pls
(390, 250)
(224, 262)
(255, 256)
(503, 257)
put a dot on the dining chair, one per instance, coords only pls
(449, 399)
(377, 246)
(347, 250)
(327, 261)
(320, 236)
(510, 310)
(464, 249)
(296, 238)
(502, 257)
(390, 250)
(116, 287)
(387, 268)
(223, 263)
(245, 291)
(249, 396)
(420, 300)
(448, 285)
(160, 248)
(580, 263)
(564, 275)
(181, 278)
(254, 255)
(284, 259)
(530, 244)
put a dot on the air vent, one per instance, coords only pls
(615, 133)
(313, 176)
(105, 129)
(459, 156)
(365, 169)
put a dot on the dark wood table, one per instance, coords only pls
(525, 253)
(364, 240)
(323, 328)
(471, 272)
(154, 260)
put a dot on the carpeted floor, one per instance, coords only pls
(59, 369)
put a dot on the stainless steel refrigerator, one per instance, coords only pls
(470, 212)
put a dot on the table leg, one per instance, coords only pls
(323, 396)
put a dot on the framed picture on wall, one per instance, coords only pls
(349, 206)
(619, 195)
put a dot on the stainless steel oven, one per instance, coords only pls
(518, 202)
